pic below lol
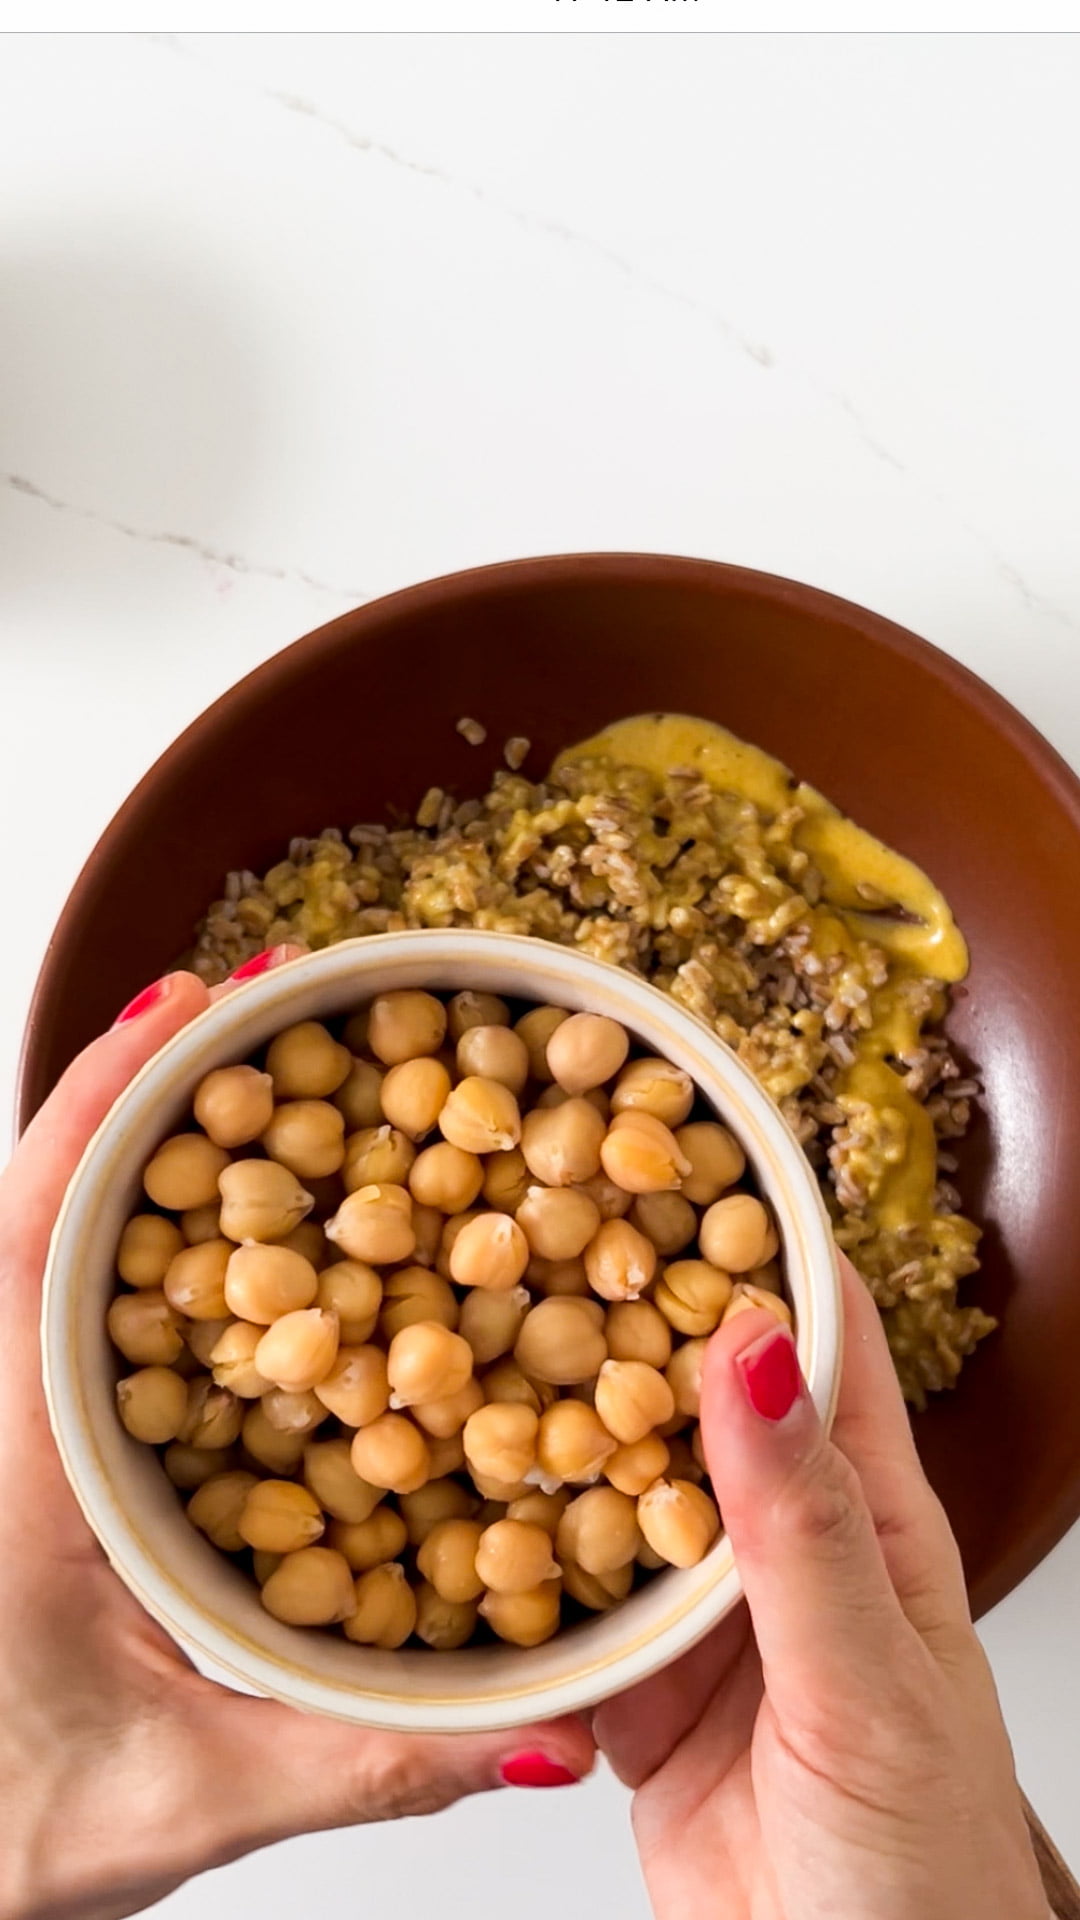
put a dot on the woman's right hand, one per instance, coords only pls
(837, 1752)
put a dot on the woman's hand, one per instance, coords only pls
(123, 1771)
(837, 1751)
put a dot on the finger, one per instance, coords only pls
(272, 957)
(286, 1772)
(824, 1611)
(639, 1731)
(873, 1431)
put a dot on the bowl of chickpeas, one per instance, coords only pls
(374, 1325)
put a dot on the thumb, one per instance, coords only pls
(283, 1772)
(825, 1615)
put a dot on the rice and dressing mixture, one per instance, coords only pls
(671, 848)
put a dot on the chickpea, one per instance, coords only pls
(414, 1094)
(767, 1279)
(494, 1053)
(573, 1445)
(481, 1116)
(376, 1155)
(367, 1543)
(597, 1591)
(145, 1328)
(356, 1389)
(427, 1362)
(232, 1361)
(467, 1010)
(264, 1564)
(619, 1261)
(641, 1155)
(428, 1226)
(681, 1462)
(299, 1349)
(152, 1404)
(551, 1277)
(652, 1562)
(184, 1172)
(561, 1145)
(667, 1219)
(191, 1467)
(507, 1385)
(562, 1341)
(525, 1619)
(743, 1298)
(716, 1161)
(611, 1201)
(200, 1224)
(505, 1180)
(683, 1375)
(329, 1475)
(212, 1415)
(490, 1252)
(391, 1452)
(500, 1441)
(279, 1451)
(599, 1530)
(443, 1624)
(657, 1087)
(311, 1588)
(405, 1025)
(217, 1506)
(356, 1031)
(697, 1452)
(596, 1098)
(195, 1282)
(431, 1505)
(514, 1557)
(233, 1104)
(693, 1295)
(263, 1282)
(678, 1520)
(148, 1246)
(540, 1509)
(352, 1290)
(586, 1050)
(202, 1337)
(414, 1294)
(308, 1137)
(633, 1468)
(441, 1419)
(307, 1063)
(491, 1322)
(277, 1516)
(359, 1098)
(261, 1201)
(558, 1222)
(452, 1227)
(374, 1224)
(536, 1028)
(446, 1177)
(447, 1455)
(385, 1610)
(632, 1399)
(293, 1412)
(636, 1330)
(447, 1559)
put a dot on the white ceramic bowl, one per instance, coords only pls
(202, 1599)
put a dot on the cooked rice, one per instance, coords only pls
(709, 898)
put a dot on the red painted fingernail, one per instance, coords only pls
(142, 1003)
(770, 1374)
(261, 964)
(536, 1770)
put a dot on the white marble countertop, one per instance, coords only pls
(286, 322)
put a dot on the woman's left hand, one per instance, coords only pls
(122, 1770)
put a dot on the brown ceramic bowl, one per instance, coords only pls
(361, 715)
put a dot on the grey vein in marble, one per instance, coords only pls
(185, 542)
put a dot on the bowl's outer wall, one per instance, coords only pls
(362, 715)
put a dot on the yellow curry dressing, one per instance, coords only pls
(856, 870)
